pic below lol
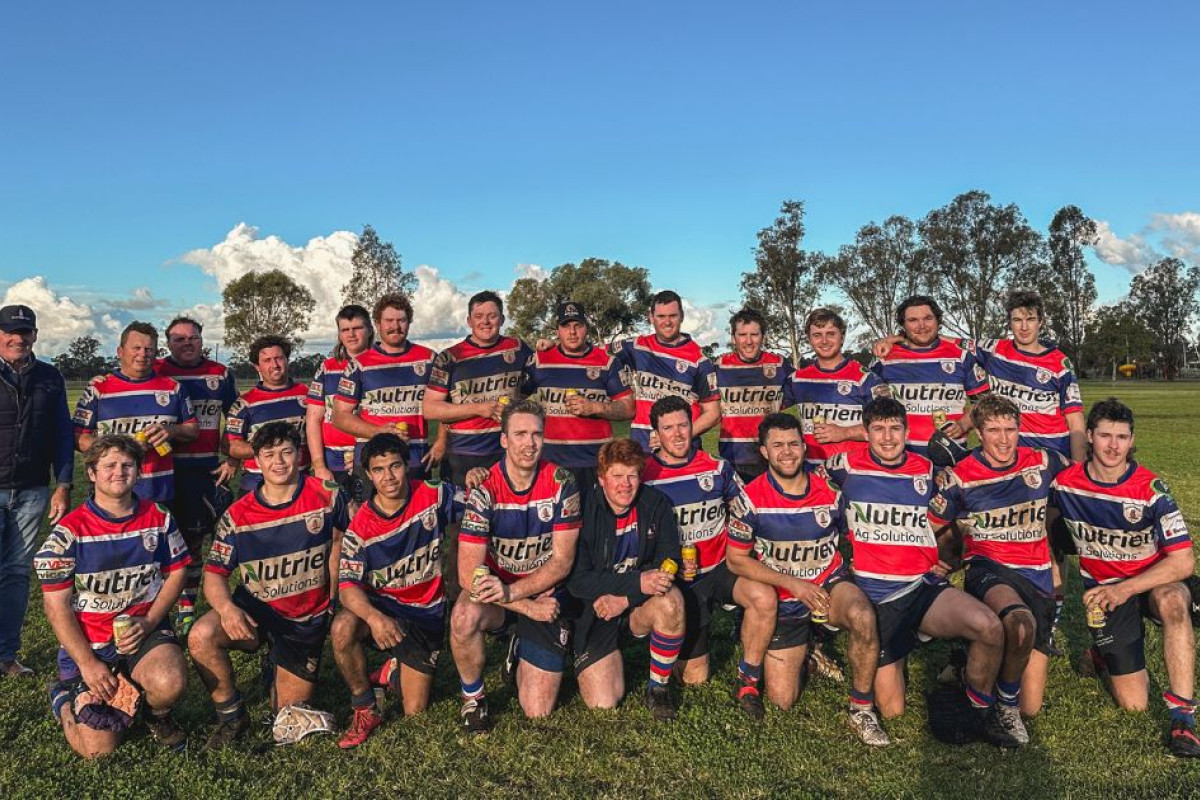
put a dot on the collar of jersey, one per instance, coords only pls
(290, 384)
(841, 365)
(378, 348)
(684, 465)
(389, 517)
(929, 348)
(982, 459)
(889, 467)
(499, 341)
(584, 354)
(170, 360)
(775, 485)
(262, 501)
(1133, 465)
(122, 376)
(504, 473)
(104, 515)
(683, 339)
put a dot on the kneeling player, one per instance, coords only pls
(282, 537)
(885, 499)
(792, 523)
(996, 499)
(1134, 551)
(390, 582)
(124, 555)
(628, 531)
(521, 525)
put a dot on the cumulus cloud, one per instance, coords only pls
(706, 324)
(59, 318)
(1180, 234)
(1133, 252)
(535, 271)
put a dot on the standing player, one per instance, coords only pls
(752, 383)
(667, 362)
(134, 401)
(786, 536)
(933, 377)
(996, 501)
(1134, 551)
(330, 449)
(885, 501)
(198, 469)
(628, 533)
(282, 538)
(705, 492)
(275, 398)
(390, 581)
(383, 388)
(832, 391)
(582, 388)
(116, 554)
(521, 524)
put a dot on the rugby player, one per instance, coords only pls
(1134, 551)
(521, 523)
(791, 520)
(134, 401)
(582, 388)
(885, 499)
(117, 553)
(831, 391)
(198, 467)
(752, 383)
(628, 532)
(330, 449)
(705, 492)
(390, 582)
(282, 538)
(996, 501)
(275, 398)
(382, 389)
(928, 374)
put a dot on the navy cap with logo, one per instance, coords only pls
(570, 311)
(17, 318)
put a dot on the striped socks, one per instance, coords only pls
(1008, 693)
(977, 698)
(664, 651)
(472, 690)
(1181, 709)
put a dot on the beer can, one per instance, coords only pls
(1096, 618)
(402, 428)
(819, 419)
(120, 624)
(939, 418)
(669, 566)
(504, 400)
(571, 393)
(690, 561)
(480, 573)
(819, 617)
(163, 448)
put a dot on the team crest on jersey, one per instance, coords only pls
(680, 367)
(314, 522)
(162, 398)
(1032, 478)
(1042, 375)
(419, 368)
(948, 367)
(150, 540)
(213, 382)
(920, 484)
(822, 516)
(302, 401)
(706, 482)
(845, 387)
(593, 373)
(545, 511)
(1132, 513)
(429, 520)
(769, 371)
(980, 375)
(509, 356)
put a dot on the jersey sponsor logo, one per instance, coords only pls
(749, 401)
(1106, 544)
(1032, 478)
(522, 556)
(52, 569)
(83, 418)
(570, 506)
(474, 521)
(118, 583)
(845, 387)
(769, 371)
(1160, 486)
(394, 401)
(920, 484)
(651, 387)
(1073, 394)
(286, 575)
(881, 390)
(698, 519)
(1020, 523)
(802, 559)
(1132, 512)
(440, 376)
(220, 550)
(410, 570)
(1029, 399)
(948, 367)
(923, 398)
(345, 386)
(314, 522)
(1173, 525)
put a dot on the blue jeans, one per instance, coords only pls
(21, 513)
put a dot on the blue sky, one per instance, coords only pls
(482, 136)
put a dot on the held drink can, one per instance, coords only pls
(690, 562)
(819, 617)
(402, 428)
(571, 393)
(504, 400)
(1096, 618)
(939, 418)
(120, 624)
(669, 566)
(163, 448)
(480, 573)
(819, 418)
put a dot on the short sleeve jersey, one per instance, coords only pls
(659, 370)
(794, 535)
(1043, 386)
(519, 527)
(389, 387)
(261, 405)
(397, 559)
(111, 565)
(702, 492)
(281, 552)
(339, 445)
(117, 404)
(469, 373)
(941, 377)
(571, 441)
(1001, 511)
(749, 390)
(211, 388)
(1120, 529)
(886, 508)
(836, 396)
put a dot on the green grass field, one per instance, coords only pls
(1082, 745)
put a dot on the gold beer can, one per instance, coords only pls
(1096, 618)
(690, 561)
(479, 574)
(939, 418)
(670, 567)
(120, 625)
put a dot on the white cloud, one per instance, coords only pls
(535, 271)
(706, 324)
(1133, 253)
(59, 318)
(1180, 234)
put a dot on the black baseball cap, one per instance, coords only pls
(17, 318)
(570, 311)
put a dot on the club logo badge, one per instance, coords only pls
(769, 371)
(593, 373)
(162, 398)
(845, 387)
(1132, 512)
(213, 382)
(1032, 478)
(706, 482)
(314, 522)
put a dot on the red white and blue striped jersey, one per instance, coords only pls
(111, 565)
(1001, 511)
(702, 491)
(389, 387)
(659, 370)
(627, 552)
(940, 377)
(339, 445)
(838, 395)
(886, 509)
(1043, 386)
(519, 528)
(211, 388)
(749, 390)
(260, 405)
(469, 373)
(114, 403)
(281, 553)
(1120, 529)
(794, 535)
(571, 441)
(397, 559)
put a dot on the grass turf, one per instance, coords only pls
(1082, 744)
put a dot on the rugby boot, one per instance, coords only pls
(749, 700)
(475, 716)
(824, 666)
(1182, 740)
(227, 732)
(865, 722)
(166, 731)
(994, 728)
(364, 723)
(658, 700)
